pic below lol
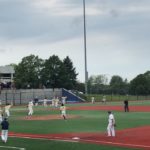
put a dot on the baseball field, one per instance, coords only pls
(84, 129)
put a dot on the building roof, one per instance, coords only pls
(7, 69)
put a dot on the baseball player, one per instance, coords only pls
(64, 99)
(36, 101)
(53, 101)
(126, 106)
(92, 100)
(104, 99)
(56, 102)
(4, 133)
(45, 102)
(63, 111)
(111, 124)
(6, 109)
(30, 108)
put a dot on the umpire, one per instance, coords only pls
(126, 106)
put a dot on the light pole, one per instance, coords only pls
(85, 54)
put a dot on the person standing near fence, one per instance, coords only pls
(6, 109)
(45, 102)
(36, 101)
(56, 102)
(93, 100)
(64, 99)
(104, 99)
(4, 132)
(30, 108)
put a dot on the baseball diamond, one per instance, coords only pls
(85, 126)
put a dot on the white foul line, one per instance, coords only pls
(10, 147)
(113, 143)
(52, 139)
(84, 140)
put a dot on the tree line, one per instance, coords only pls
(34, 72)
(140, 85)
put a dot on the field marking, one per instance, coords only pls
(52, 139)
(11, 147)
(82, 140)
(116, 143)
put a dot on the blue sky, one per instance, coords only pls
(118, 34)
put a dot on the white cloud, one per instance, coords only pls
(117, 33)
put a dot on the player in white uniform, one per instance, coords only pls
(104, 99)
(92, 100)
(30, 108)
(63, 111)
(111, 124)
(64, 99)
(56, 102)
(53, 101)
(7, 108)
(45, 102)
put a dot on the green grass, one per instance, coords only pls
(35, 144)
(89, 121)
(99, 97)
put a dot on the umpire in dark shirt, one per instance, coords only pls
(4, 132)
(126, 106)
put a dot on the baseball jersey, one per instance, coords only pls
(63, 108)
(111, 119)
(7, 107)
(30, 105)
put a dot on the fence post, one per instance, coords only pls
(13, 97)
(20, 97)
(6, 97)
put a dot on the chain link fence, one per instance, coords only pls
(23, 96)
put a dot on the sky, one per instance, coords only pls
(118, 34)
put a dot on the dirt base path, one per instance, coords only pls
(116, 108)
(133, 138)
(48, 117)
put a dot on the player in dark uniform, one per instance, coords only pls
(126, 106)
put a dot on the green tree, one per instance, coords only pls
(140, 85)
(147, 76)
(51, 72)
(68, 74)
(97, 84)
(80, 86)
(117, 85)
(27, 72)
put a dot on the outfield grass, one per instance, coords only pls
(89, 121)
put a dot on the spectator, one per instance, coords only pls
(36, 101)
(93, 100)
